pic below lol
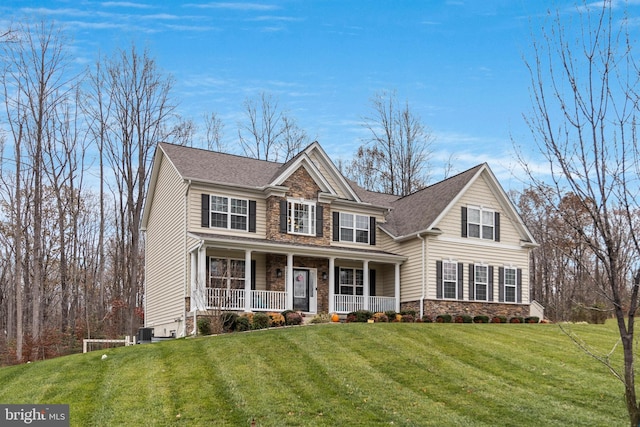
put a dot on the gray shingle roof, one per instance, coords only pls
(410, 214)
(417, 211)
(211, 166)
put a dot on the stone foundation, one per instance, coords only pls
(471, 308)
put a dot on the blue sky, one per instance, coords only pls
(459, 63)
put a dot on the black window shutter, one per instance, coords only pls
(253, 274)
(501, 284)
(204, 216)
(519, 285)
(496, 224)
(372, 230)
(490, 284)
(472, 282)
(336, 226)
(439, 279)
(319, 221)
(336, 280)
(464, 221)
(283, 216)
(460, 281)
(252, 216)
(372, 283)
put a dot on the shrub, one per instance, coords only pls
(531, 319)
(427, 319)
(204, 326)
(243, 324)
(391, 315)
(516, 319)
(463, 318)
(443, 318)
(409, 312)
(260, 321)
(276, 319)
(285, 314)
(408, 318)
(321, 318)
(499, 319)
(293, 318)
(359, 316)
(481, 319)
(228, 321)
(380, 317)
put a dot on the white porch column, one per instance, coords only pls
(396, 292)
(289, 282)
(365, 284)
(247, 281)
(332, 281)
(201, 285)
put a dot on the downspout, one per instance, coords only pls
(424, 281)
(186, 260)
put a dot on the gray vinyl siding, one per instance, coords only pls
(165, 253)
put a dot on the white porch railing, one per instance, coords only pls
(349, 303)
(234, 299)
(382, 304)
(225, 299)
(268, 300)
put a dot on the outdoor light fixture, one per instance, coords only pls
(278, 272)
(324, 275)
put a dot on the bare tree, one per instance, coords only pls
(585, 109)
(214, 133)
(36, 82)
(137, 96)
(394, 158)
(268, 133)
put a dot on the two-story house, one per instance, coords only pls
(227, 232)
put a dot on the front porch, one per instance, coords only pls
(235, 300)
(247, 275)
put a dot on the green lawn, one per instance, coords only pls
(338, 375)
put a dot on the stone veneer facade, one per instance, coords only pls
(471, 308)
(301, 186)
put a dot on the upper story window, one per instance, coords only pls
(349, 227)
(299, 216)
(302, 217)
(480, 223)
(228, 212)
(354, 228)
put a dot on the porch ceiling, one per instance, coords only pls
(261, 245)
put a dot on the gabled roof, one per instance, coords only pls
(418, 211)
(421, 211)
